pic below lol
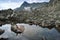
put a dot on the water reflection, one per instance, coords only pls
(32, 32)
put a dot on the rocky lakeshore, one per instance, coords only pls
(31, 21)
(46, 16)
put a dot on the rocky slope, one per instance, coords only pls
(48, 16)
(44, 16)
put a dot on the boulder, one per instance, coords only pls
(1, 31)
(18, 29)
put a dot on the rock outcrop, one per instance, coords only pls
(1, 31)
(18, 29)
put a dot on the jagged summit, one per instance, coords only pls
(25, 3)
(30, 5)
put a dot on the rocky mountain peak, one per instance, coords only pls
(25, 3)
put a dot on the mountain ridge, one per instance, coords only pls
(32, 5)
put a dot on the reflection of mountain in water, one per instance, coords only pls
(31, 33)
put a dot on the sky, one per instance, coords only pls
(6, 4)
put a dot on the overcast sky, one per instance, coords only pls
(5, 4)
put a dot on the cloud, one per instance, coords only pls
(31, 1)
(7, 5)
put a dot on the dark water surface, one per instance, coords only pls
(32, 32)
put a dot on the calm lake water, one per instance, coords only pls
(32, 32)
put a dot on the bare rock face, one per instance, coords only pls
(53, 1)
(18, 29)
(1, 31)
